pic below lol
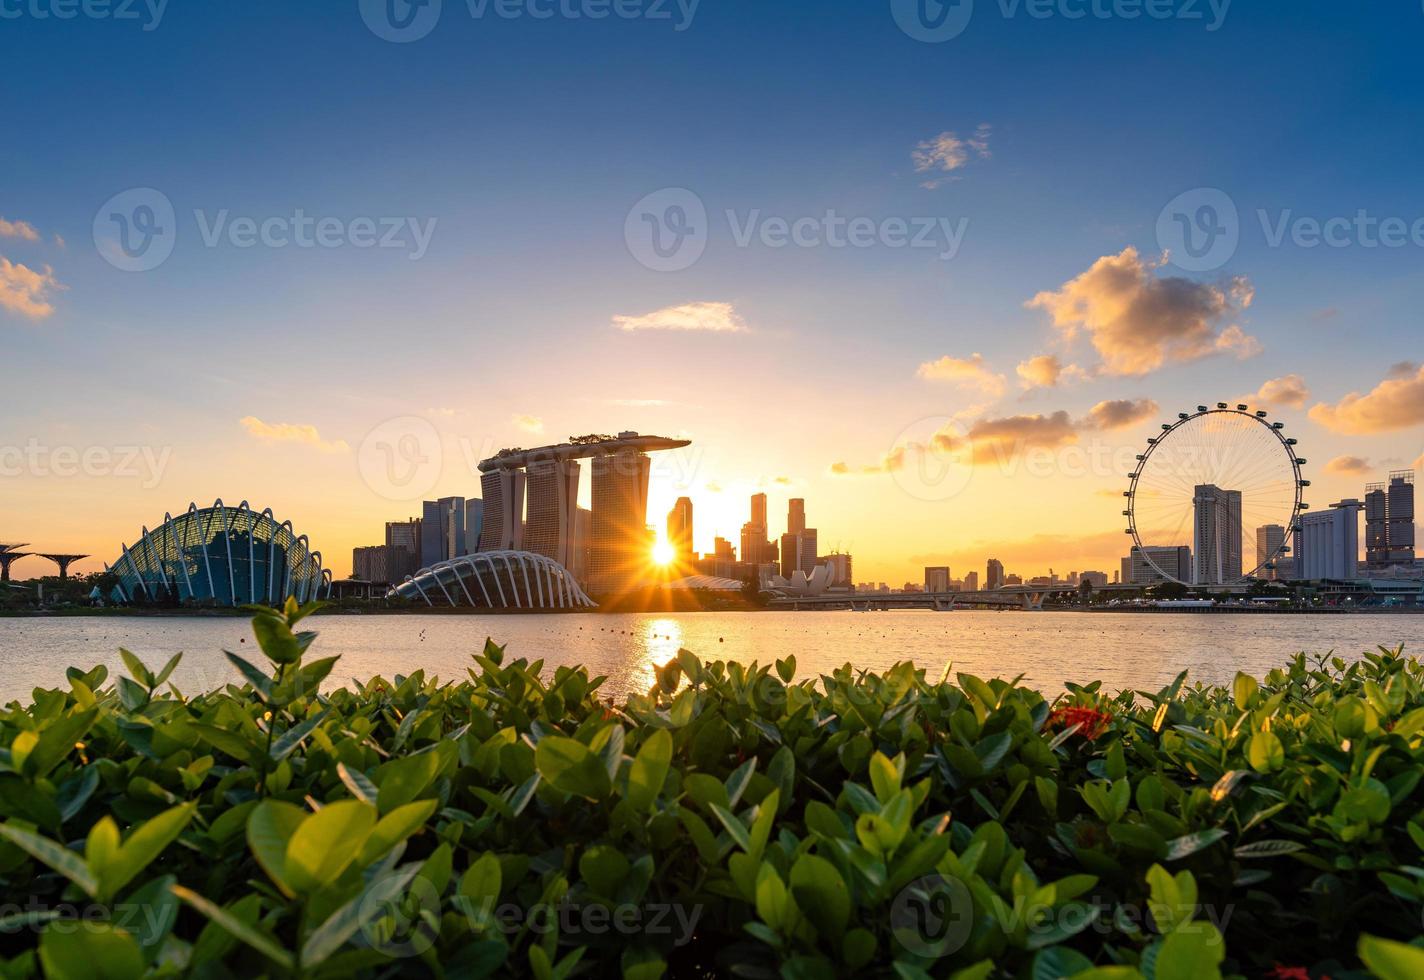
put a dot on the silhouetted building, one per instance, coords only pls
(1389, 521)
(370, 564)
(679, 529)
(1327, 543)
(1270, 540)
(551, 509)
(619, 549)
(402, 549)
(442, 530)
(937, 578)
(994, 577)
(1217, 539)
(503, 492)
(795, 515)
(1176, 562)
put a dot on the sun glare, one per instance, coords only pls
(663, 553)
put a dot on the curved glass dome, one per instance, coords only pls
(496, 580)
(230, 556)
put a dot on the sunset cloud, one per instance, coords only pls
(27, 292)
(1289, 391)
(705, 317)
(306, 435)
(1047, 371)
(1395, 403)
(1121, 413)
(892, 462)
(999, 440)
(1138, 321)
(969, 371)
(18, 229)
(1348, 466)
(529, 423)
(947, 152)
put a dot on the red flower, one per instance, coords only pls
(1093, 721)
(1280, 972)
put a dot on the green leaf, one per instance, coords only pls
(570, 767)
(285, 743)
(1243, 689)
(326, 842)
(1189, 844)
(822, 893)
(402, 780)
(395, 827)
(90, 950)
(269, 830)
(1265, 752)
(649, 770)
(361, 787)
(604, 869)
(373, 902)
(137, 669)
(143, 846)
(1391, 960)
(225, 919)
(56, 856)
(57, 741)
(483, 881)
(254, 675)
(1192, 952)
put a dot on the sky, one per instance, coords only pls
(324, 257)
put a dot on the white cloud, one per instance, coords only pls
(27, 292)
(1289, 391)
(947, 152)
(306, 435)
(529, 423)
(969, 371)
(707, 317)
(18, 229)
(1138, 321)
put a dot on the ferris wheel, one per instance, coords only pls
(1216, 497)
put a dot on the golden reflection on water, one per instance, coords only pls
(659, 640)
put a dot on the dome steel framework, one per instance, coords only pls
(1230, 448)
(496, 580)
(227, 555)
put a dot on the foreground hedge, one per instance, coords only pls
(733, 820)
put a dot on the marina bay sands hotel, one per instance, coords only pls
(531, 505)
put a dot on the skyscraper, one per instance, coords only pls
(994, 575)
(679, 530)
(796, 515)
(618, 548)
(551, 510)
(790, 554)
(756, 546)
(1270, 540)
(937, 578)
(809, 550)
(503, 492)
(1401, 517)
(971, 582)
(1327, 544)
(1137, 569)
(1217, 537)
(369, 564)
(442, 530)
(759, 509)
(402, 549)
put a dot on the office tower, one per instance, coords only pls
(808, 549)
(841, 568)
(618, 551)
(795, 515)
(402, 549)
(442, 530)
(790, 554)
(1217, 535)
(369, 564)
(474, 524)
(937, 578)
(551, 508)
(1175, 561)
(1327, 543)
(1376, 525)
(503, 492)
(994, 577)
(679, 529)
(722, 550)
(1013, 580)
(1401, 517)
(971, 582)
(759, 509)
(1270, 540)
(583, 529)
(1095, 579)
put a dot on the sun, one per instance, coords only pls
(663, 553)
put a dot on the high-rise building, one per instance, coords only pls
(474, 524)
(442, 530)
(756, 545)
(679, 530)
(1270, 544)
(809, 550)
(971, 582)
(994, 577)
(722, 550)
(503, 492)
(1176, 562)
(402, 549)
(369, 564)
(795, 515)
(790, 554)
(841, 569)
(937, 578)
(759, 509)
(1217, 537)
(551, 509)
(618, 549)
(1095, 579)
(1401, 517)
(1327, 543)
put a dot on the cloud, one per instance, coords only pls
(1138, 321)
(529, 423)
(1289, 391)
(1348, 466)
(1043, 371)
(706, 317)
(947, 153)
(306, 435)
(27, 292)
(18, 229)
(1395, 403)
(999, 440)
(892, 462)
(971, 371)
(1120, 414)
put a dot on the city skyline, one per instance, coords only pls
(1062, 313)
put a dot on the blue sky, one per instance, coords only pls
(526, 142)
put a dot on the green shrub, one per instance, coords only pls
(733, 820)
